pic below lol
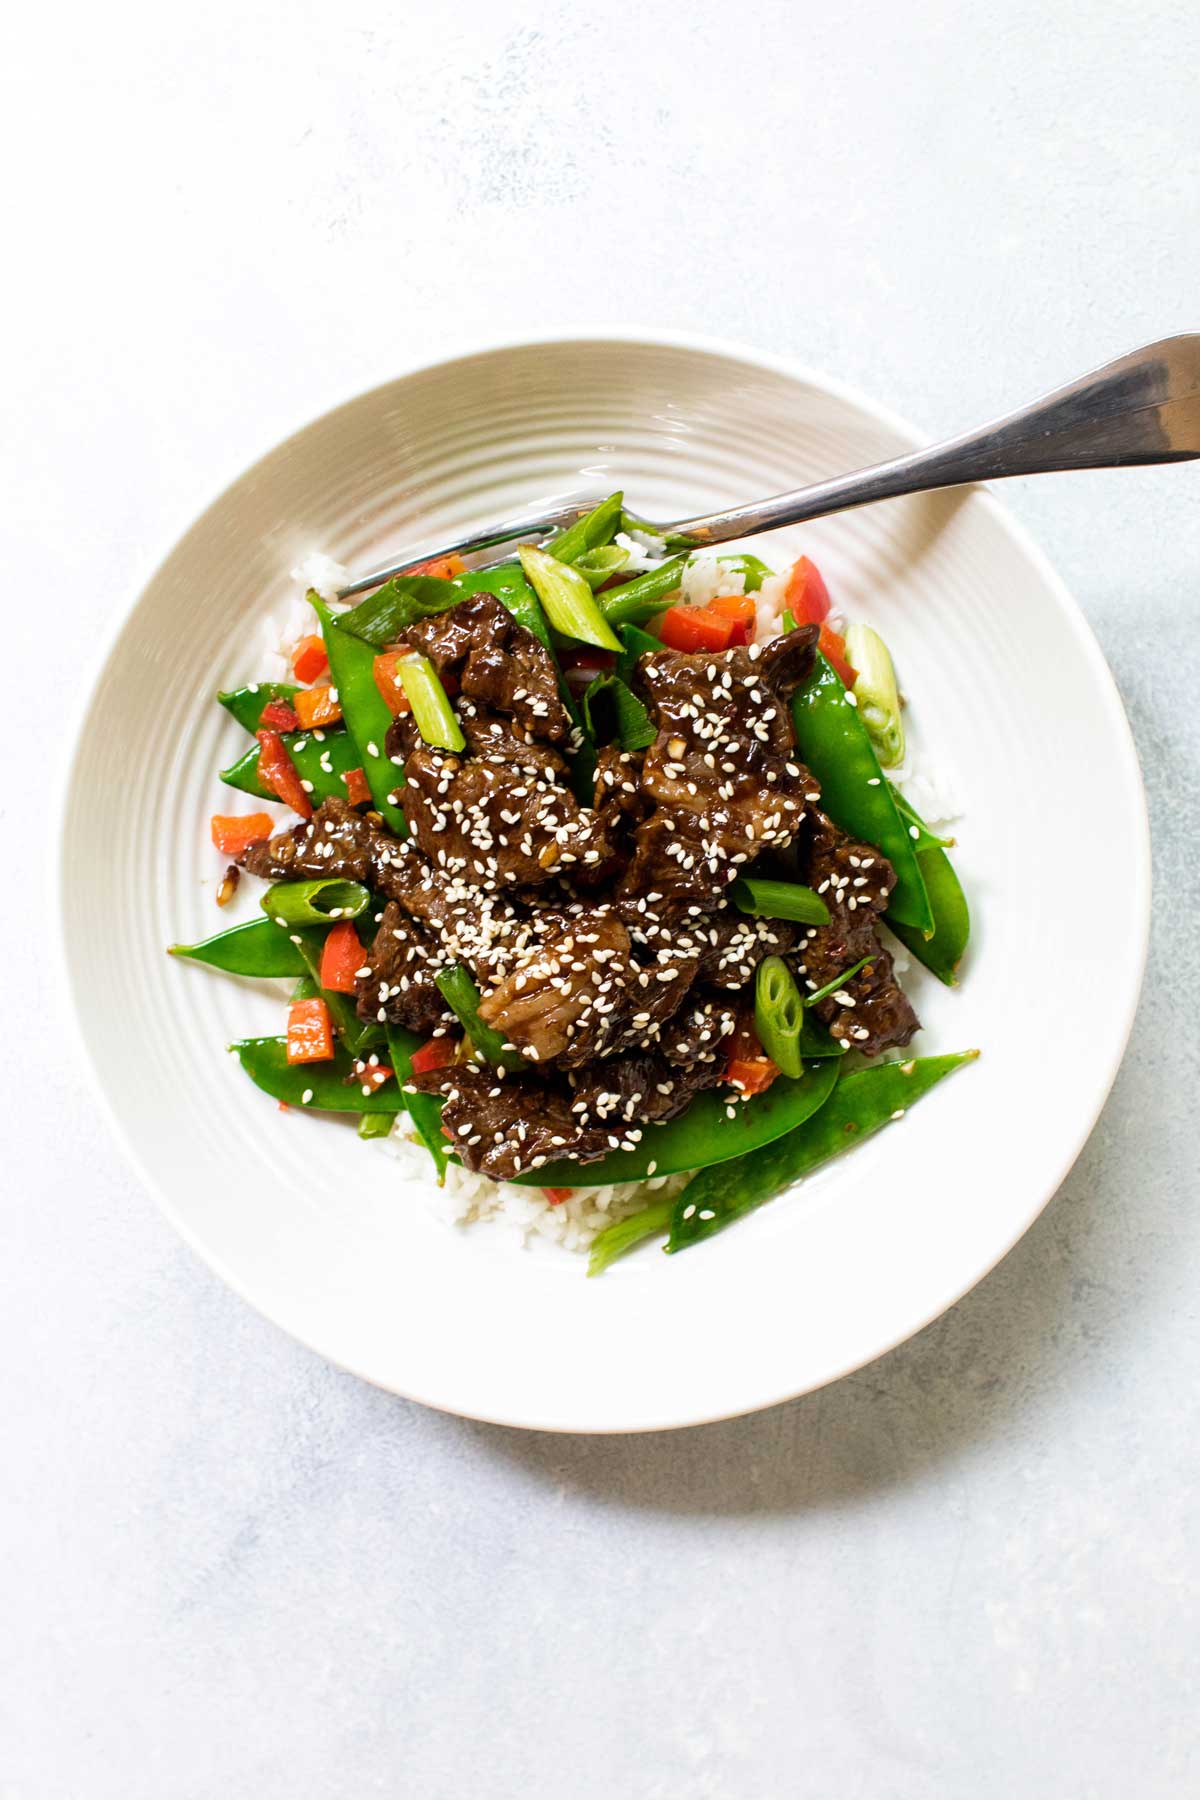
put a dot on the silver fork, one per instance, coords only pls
(1143, 408)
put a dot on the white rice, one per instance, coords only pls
(645, 550)
(316, 570)
(706, 578)
(522, 1213)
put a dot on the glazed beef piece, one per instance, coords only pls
(336, 841)
(483, 930)
(497, 738)
(732, 946)
(871, 1011)
(696, 1036)
(497, 662)
(502, 1127)
(722, 771)
(396, 985)
(582, 993)
(495, 826)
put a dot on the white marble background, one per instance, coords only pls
(225, 1570)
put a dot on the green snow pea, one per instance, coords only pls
(331, 1084)
(861, 1103)
(635, 644)
(596, 528)
(755, 570)
(245, 704)
(922, 837)
(322, 758)
(352, 668)
(638, 600)
(425, 1110)
(461, 995)
(952, 920)
(629, 717)
(832, 740)
(258, 947)
(702, 1135)
(386, 614)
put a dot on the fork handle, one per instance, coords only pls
(1143, 408)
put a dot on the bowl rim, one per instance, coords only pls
(458, 349)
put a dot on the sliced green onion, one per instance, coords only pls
(788, 621)
(589, 533)
(638, 600)
(615, 1239)
(462, 997)
(435, 717)
(386, 614)
(315, 902)
(375, 1125)
(779, 1015)
(876, 692)
(567, 599)
(831, 987)
(630, 718)
(779, 900)
(599, 566)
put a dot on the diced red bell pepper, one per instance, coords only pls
(694, 628)
(233, 834)
(317, 706)
(438, 1053)
(832, 646)
(341, 958)
(358, 789)
(309, 1032)
(309, 659)
(277, 715)
(371, 1076)
(447, 567)
(743, 612)
(556, 1196)
(752, 1077)
(279, 772)
(806, 596)
(748, 1066)
(387, 680)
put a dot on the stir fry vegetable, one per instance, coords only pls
(462, 997)
(314, 902)
(779, 900)
(567, 599)
(779, 1015)
(258, 947)
(595, 529)
(432, 711)
(876, 692)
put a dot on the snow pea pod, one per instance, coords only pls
(703, 1134)
(425, 1110)
(922, 837)
(637, 600)
(323, 759)
(599, 566)
(832, 740)
(943, 952)
(258, 947)
(245, 704)
(752, 567)
(629, 718)
(860, 1104)
(352, 666)
(635, 643)
(265, 1062)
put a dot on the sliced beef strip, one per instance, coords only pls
(696, 1035)
(722, 772)
(582, 993)
(498, 738)
(336, 841)
(503, 1126)
(494, 826)
(732, 946)
(397, 986)
(495, 661)
(854, 880)
(642, 1087)
(483, 930)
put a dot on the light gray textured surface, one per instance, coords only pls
(971, 1570)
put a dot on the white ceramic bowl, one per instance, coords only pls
(1008, 690)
